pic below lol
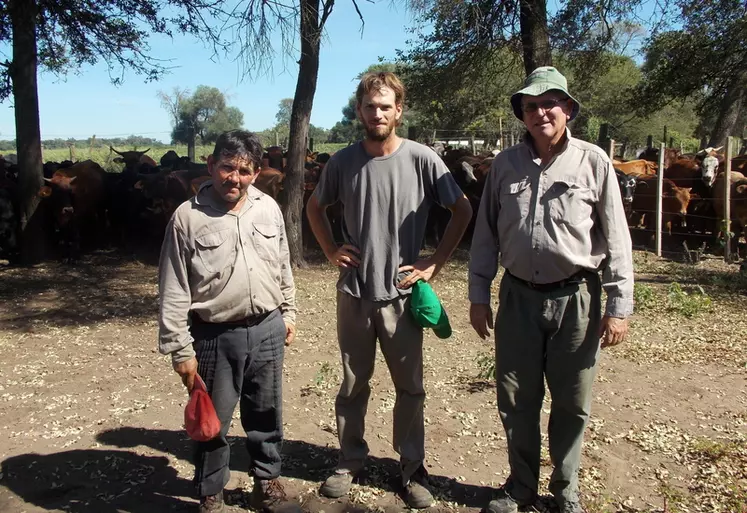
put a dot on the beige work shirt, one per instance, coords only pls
(549, 222)
(223, 266)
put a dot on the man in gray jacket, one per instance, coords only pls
(552, 208)
(227, 308)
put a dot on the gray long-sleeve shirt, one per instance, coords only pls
(223, 266)
(549, 222)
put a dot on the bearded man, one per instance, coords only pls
(386, 185)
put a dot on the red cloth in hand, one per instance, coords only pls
(200, 419)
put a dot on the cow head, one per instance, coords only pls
(708, 169)
(58, 192)
(130, 159)
(682, 196)
(627, 186)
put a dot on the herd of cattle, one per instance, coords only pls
(82, 206)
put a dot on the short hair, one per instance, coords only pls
(239, 143)
(371, 82)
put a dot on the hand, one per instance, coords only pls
(612, 330)
(424, 270)
(187, 370)
(346, 255)
(290, 333)
(481, 319)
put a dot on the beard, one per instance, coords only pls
(379, 133)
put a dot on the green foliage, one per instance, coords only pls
(104, 157)
(644, 297)
(688, 304)
(205, 115)
(486, 366)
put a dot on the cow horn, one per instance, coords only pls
(48, 180)
(115, 151)
(717, 149)
(72, 179)
(146, 151)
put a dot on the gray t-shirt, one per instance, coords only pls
(385, 208)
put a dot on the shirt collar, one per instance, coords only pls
(529, 142)
(204, 197)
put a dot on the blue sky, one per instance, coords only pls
(86, 103)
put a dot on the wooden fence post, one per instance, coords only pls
(665, 135)
(611, 149)
(472, 143)
(311, 144)
(727, 200)
(650, 141)
(659, 197)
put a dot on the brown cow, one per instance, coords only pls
(637, 168)
(674, 203)
(270, 181)
(76, 197)
(652, 155)
(134, 161)
(738, 205)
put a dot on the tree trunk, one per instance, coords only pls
(28, 139)
(191, 145)
(534, 38)
(731, 105)
(291, 200)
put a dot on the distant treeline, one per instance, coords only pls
(130, 142)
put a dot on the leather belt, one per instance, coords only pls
(575, 279)
(247, 322)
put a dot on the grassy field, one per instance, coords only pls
(105, 157)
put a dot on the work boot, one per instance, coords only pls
(570, 507)
(502, 503)
(417, 493)
(337, 485)
(267, 495)
(212, 503)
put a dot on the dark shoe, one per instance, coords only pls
(570, 507)
(502, 503)
(417, 493)
(337, 485)
(267, 495)
(211, 503)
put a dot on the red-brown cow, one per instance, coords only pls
(637, 168)
(76, 198)
(674, 203)
(270, 181)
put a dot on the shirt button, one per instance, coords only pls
(537, 223)
(251, 269)
(536, 248)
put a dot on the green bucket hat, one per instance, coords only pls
(539, 81)
(428, 310)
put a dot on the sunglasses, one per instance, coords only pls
(545, 105)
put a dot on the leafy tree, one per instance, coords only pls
(204, 115)
(704, 61)
(283, 116)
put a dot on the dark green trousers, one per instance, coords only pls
(551, 336)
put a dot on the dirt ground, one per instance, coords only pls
(91, 414)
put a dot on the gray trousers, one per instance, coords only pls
(241, 364)
(359, 324)
(554, 336)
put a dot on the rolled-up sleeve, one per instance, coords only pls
(483, 254)
(617, 276)
(287, 285)
(174, 337)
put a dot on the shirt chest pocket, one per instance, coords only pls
(570, 203)
(266, 238)
(515, 200)
(216, 250)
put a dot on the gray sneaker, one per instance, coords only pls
(503, 503)
(417, 493)
(337, 485)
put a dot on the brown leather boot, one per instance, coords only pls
(268, 495)
(211, 503)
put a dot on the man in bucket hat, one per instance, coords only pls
(552, 208)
